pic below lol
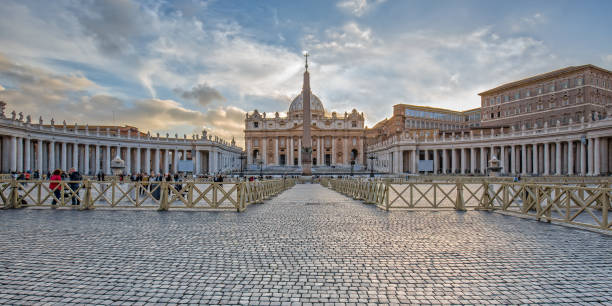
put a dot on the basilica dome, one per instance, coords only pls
(316, 107)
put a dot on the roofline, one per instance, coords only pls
(543, 76)
(437, 108)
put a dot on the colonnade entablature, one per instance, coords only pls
(583, 148)
(27, 146)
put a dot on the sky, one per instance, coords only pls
(188, 65)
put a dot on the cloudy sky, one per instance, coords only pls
(184, 66)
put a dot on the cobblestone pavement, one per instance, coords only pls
(308, 245)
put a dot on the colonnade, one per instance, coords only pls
(583, 149)
(327, 150)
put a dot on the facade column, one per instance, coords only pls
(156, 161)
(300, 151)
(523, 159)
(75, 156)
(513, 159)
(166, 161)
(19, 141)
(264, 151)
(597, 157)
(536, 169)
(97, 159)
(276, 161)
(137, 161)
(333, 149)
(108, 158)
(546, 158)
(590, 156)
(502, 159)
(319, 153)
(147, 163)
(570, 158)
(463, 160)
(63, 159)
(197, 166)
(345, 150)
(558, 158)
(290, 140)
(51, 163)
(583, 159)
(444, 161)
(86, 159)
(27, 154)
(39, 156)
(453, 160)
(13, 158)
(483, 161)
(472, 161)
(175, 161)
(435, 161)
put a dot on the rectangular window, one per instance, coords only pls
(565, 84)
(506, 98)
(255, 124)
(579, 82)
(552, 87)
(539, 90)
(517, 95)
(528, 93)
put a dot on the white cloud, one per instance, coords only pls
(1, 87)
(358, 7)
(607, 59)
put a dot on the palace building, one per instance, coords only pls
(556, 123)
(275, 142)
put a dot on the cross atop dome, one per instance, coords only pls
(306, 56)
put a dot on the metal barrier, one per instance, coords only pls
(584, 206)
(161, 195)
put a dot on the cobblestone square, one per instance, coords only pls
(307, 245)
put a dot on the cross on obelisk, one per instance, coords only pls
(306, 140)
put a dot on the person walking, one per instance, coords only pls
(75, 183)
(55, 185)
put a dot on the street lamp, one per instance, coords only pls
(260, 163)
(372, 157)
(242, 157)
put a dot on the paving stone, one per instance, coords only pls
(289, 251)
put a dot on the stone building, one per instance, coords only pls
(557, 123)
(276, 141)
(30, 146)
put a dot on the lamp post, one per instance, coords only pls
(260, 163)
(242, 157)
(372, 157)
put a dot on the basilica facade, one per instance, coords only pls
(275, 142)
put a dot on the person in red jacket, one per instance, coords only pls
(55, 185)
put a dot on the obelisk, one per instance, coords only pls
(306, 140)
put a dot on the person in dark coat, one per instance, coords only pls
(75, 179)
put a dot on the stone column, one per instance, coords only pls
(137, 162)
(97, 159)
(264, 151)
(513, 159)
(435, 161)
(345, 156)
(276, 161)
(333, 147)
(290, 145)
(558, 167)
(463, 160)
(535, 159)
(570, 158)
(546, 158)
(63, 159)
(51, 163)
(597, 157)
(590, 156)
(39, 156)
(147, 161)
(523, 159)
(75, 156)
(453, 160)
(300, 152)
(583, 159)
(108, 160)
(86, 159)
(13, 158)
(27, 154)
(248, 151)
(319, 153)
(472, 160)
(19, 141)
(444, 161)
(483, 161)
(165, 161)
(156, 161)
(197, 166)
(175, 157)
